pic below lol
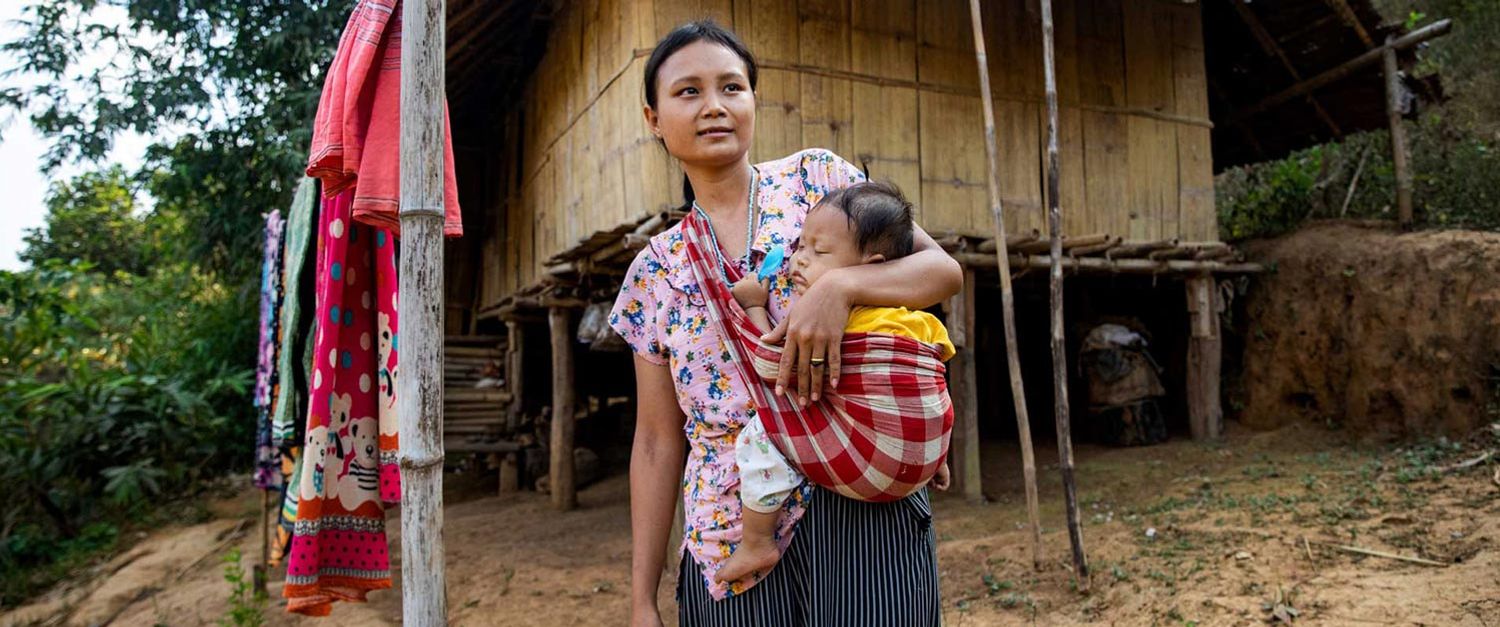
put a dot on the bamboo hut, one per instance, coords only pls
(562, 184)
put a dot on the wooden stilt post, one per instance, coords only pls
(1205, 413)
(1007, 295)
(514, 355)
(1059, 348)
(1400, 151)
(564, 495)
(963, 452)
(419, 392)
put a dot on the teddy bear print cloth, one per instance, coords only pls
(338, 549)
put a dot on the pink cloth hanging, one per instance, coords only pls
(357, 134)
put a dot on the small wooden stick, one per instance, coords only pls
(1373, 553)
(1307, 547)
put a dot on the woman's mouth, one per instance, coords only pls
(718, 131)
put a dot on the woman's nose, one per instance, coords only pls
(713, 106)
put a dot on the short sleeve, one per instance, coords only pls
(634, 314)
(823, 172)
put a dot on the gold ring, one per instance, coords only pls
(817, 361)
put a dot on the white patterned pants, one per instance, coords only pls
(766, 478)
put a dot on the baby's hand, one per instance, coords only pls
(751, 293)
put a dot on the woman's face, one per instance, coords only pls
(705, 111)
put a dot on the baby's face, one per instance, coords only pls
(827, 243)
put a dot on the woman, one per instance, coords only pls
(846, 562)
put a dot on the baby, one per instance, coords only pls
(863, 223)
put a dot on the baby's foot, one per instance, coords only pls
(750, 557)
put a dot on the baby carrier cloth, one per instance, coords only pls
(880, 436)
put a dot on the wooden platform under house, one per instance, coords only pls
(562, 184)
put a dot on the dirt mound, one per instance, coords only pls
(1384, 333)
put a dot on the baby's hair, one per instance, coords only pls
(880, 216)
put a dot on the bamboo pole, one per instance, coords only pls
(1007, 295)
(1059, 349)
(1400, 152)
(419, 395)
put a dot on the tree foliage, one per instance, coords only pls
(234, 83)
(1455, 147)
(127, 350)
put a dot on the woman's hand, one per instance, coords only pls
(943, 479)
(812, 329)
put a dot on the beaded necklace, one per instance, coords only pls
(752, 211)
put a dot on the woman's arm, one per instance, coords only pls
(815, 325)
(656, 462)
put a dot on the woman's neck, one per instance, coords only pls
(720, 190)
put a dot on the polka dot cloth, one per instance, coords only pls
(338, 548)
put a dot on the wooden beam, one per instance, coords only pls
(963, 450)
(1347, 15)
(1400, 152)
(1117, 266)
(419, 393)
(563, 488)
(1205, 352)
(1436, 29)
(1269, 46)
(1007, 295)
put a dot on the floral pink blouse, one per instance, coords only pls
(662, 315)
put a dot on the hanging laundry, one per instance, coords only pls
(348, 471)
(267, 474)
(286, 516)
(294, 356)
(338, 549)
(357, 133)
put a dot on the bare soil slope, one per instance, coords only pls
(1177, 534)
(1385, 333)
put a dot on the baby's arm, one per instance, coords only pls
(752, 295)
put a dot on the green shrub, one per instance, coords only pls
(118, 391)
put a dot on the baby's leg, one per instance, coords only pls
(766, 480)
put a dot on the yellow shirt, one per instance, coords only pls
(918, 325)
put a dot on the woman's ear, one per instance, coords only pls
(873, 258)
(652, 120)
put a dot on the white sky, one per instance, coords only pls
(21, 181)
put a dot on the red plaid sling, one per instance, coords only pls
(879, 437)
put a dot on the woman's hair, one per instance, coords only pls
(880, 216)
(681, 37)
(689, 33)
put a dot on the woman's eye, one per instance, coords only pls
(688, 91)
(733, 87)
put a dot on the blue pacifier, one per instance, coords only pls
(771, 264)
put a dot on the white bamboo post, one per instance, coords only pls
(419, 391)
(1059, 348)
(1007, 295)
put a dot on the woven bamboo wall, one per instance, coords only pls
(889, 85)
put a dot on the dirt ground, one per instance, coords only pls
(1383, 332)
(1177, 534)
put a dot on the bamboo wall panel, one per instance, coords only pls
(889, 85)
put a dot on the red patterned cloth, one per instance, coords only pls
(357, 133)
(880, 436)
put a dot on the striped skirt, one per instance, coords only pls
(850, 563)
